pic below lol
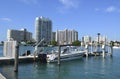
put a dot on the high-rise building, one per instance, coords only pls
(66, 36)
(43, 29)
(86, 39)
(19, 35)
(53, 36)
(102, 39)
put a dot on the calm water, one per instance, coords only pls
(86, 68)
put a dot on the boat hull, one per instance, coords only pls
(67, 57)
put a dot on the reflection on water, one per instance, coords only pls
(8, 72)
(93, 67)
(40, 70)
(16, 75)
(88, 68)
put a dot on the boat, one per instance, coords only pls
(65, 55)
(116, 47)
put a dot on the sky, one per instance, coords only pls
(88, 17)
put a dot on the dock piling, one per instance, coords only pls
(111, 51)
(86, 53)
(35, 52)
(16, 59)
(59, 51)
(103, 51)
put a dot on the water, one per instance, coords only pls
(86, 68)
(1, 51)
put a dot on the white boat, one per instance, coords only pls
(66, 55)
(116, 47)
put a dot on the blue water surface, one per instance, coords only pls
(85, 68)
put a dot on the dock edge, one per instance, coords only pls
(1, 76)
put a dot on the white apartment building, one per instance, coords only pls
(19, 35)
(66, 36)
(86, 39)
(53, 36)
(43, 29)
(102, 39)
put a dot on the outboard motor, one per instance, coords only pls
(42, 58)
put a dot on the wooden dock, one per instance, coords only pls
(10, 60)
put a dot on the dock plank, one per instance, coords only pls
(10, 60)
(20, 57)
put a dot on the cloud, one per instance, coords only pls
(29, 1)
(67, 5)
(6, 19)
(111, 9)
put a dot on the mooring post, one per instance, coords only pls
(16, 58)
(111, 50)
(59, 51)
(35, 52)
(86, 47)
(103, 51)
(95, 49)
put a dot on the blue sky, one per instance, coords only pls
(88, 17)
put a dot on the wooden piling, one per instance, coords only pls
(16, 59)
(35, 52)
(59, 51)
(86, 47)
(103, 51)
(34, 56)
(111, 51)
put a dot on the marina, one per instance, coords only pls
(62, 54)
(11, 52)
(95, 67)
(60, 39)
(72, 54)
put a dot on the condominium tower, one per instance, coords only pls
(86, 39)
(19, 35)
(66, 36)
(43, 29)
